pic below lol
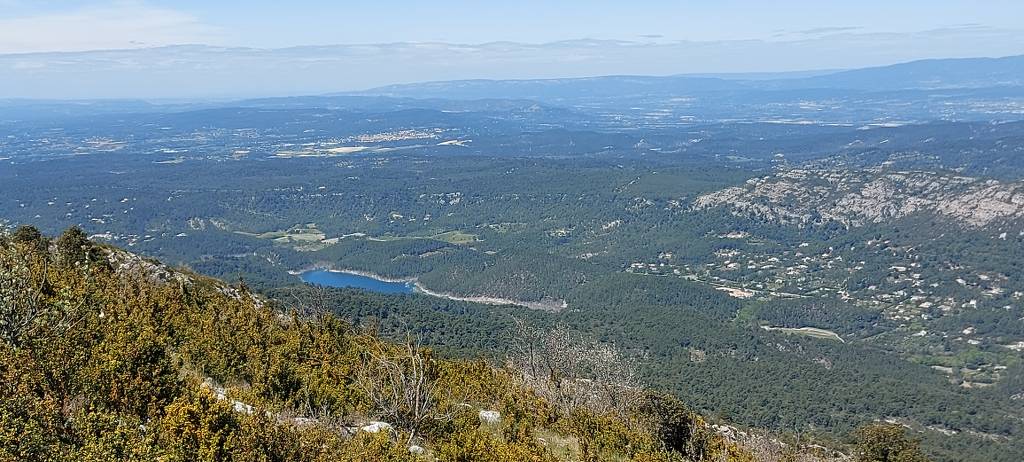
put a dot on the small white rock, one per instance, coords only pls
(241, 407)
(490, 417)
(376, 427)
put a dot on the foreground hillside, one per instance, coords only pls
(108, 356)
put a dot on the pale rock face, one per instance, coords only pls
(129, 263)
(416, 450)
(856, 198)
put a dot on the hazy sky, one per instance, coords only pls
(383, 42)
(51, 25)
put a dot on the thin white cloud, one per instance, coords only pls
(123, 24)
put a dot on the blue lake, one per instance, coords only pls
(335, 279)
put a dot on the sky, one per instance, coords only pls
(486, 39)
(52, 25)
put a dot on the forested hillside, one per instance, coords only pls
(105, 355)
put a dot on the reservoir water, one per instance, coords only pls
(337, 279)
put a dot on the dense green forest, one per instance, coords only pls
(732, 373)
(110, 356)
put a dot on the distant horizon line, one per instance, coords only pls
(487, 44)
(755, 75)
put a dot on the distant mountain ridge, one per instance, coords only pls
(978, 89)
(201, 72)
(930, 74)
(547, 89)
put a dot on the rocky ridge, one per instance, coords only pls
(856, 198)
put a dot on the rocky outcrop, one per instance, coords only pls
(129, 264)
(859, 197)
